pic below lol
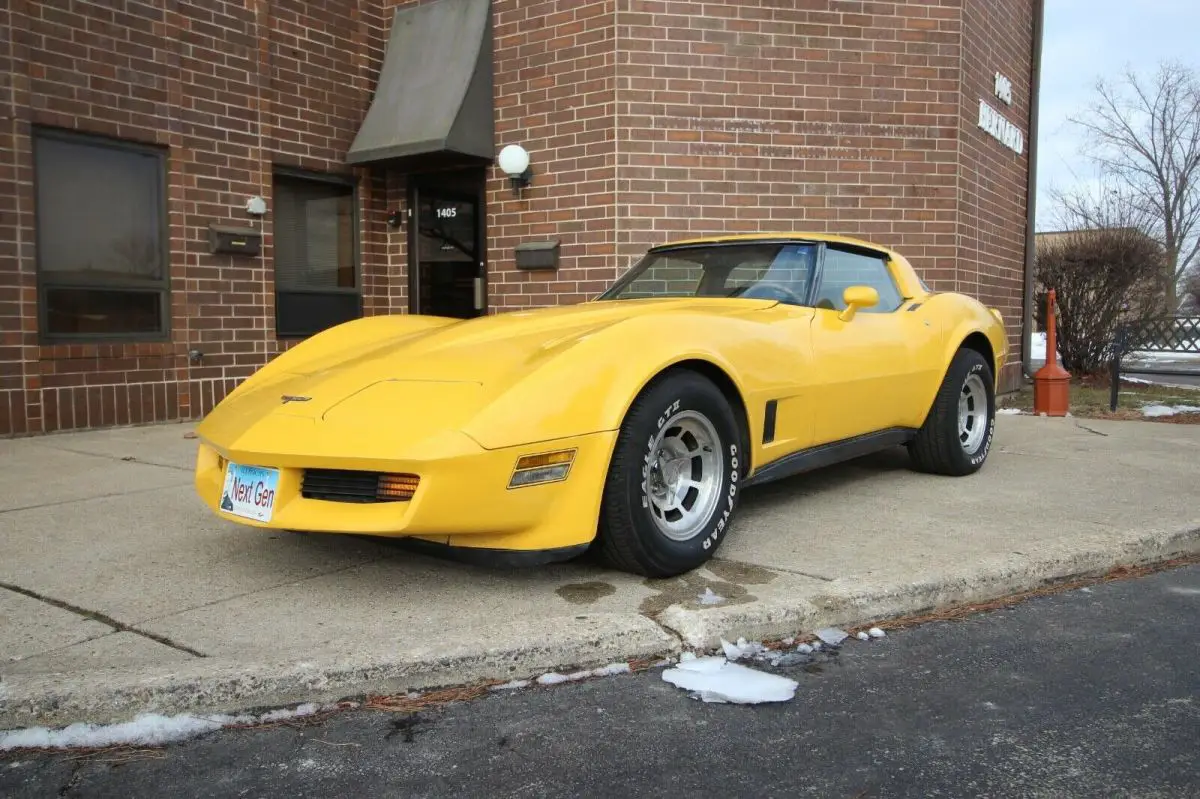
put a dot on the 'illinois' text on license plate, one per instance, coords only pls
(250, 491)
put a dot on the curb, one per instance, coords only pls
(856, 602)
(229, 686)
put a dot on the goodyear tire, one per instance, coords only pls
(957, 435)
(673, 483)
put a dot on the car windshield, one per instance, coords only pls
(760, 270)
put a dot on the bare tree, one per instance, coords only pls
(1191, 292)
(1145, 138)
(1101, 278)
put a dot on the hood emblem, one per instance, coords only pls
(286, 398)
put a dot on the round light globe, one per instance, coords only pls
(514, 160)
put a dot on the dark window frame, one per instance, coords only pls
(162, 286)
(864, 252)
(333, 179)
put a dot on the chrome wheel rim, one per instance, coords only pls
(972, 413)
(683, 481)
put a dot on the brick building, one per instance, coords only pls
(190, 186)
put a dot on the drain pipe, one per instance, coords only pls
(1035, 91)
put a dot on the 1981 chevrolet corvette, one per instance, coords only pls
(630, 423)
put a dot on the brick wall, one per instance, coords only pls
(228, 90)
(992, 198)
(646, 120)
(555, 96)
(753, 115)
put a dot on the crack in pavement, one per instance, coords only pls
(272, 587)
(1090, 430)
(96, 496)
(120, 458)
(102, 618)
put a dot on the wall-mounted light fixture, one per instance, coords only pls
(514, 162)
(256, 206)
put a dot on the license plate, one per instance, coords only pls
(250, 491)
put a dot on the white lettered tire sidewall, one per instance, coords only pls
(979, 367)
(680, 392)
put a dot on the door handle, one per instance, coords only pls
(479, 294)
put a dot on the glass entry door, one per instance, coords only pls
(446, 245)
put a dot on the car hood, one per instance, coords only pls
(415, 385)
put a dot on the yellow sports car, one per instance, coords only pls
(629, 424)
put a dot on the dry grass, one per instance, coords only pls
(1090, 398)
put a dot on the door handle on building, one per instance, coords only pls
(479, 294)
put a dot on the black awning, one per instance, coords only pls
(433, 101)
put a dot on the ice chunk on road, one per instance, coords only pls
(832, 635)
(742, 649)
(875, 632)
(860, 635)
(805, 648)
(709, 598)
(714, 679)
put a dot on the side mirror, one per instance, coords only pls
(856, 297)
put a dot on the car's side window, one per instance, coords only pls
(844, 268)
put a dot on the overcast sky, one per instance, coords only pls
(1088, 39)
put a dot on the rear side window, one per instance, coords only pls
(845, 268)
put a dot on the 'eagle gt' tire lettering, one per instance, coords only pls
(957, 434)
(673, 484)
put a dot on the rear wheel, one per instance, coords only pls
(673, 483)
(957, 434)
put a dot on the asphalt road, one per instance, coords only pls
(1169, 380)
(1094, 692)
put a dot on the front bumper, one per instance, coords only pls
(462, 499)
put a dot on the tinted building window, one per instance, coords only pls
(101, 238)
(316, 257)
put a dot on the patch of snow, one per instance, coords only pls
(714, 679)
(1037, 347)
(1009, 411)
(709, 598)
(832, 635)
(611, 670)
(1168, 410)
(150, 729)
(875, 632)
(554, 678)
(686, 656)
(788, 641)
(862, 636)
(512, 685)
(147, 729)
(307, 709)
(804, 648)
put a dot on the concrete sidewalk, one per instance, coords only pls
(120, 593)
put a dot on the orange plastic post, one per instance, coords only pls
(1051, 383)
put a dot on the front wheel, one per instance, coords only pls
(957, 434)
(673, 483)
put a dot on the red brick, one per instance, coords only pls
(853, 117)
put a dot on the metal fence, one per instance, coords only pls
(1156, 342)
